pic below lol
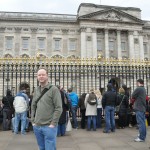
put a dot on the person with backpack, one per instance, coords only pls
(7, 102)
(91, 109)
(21, 103)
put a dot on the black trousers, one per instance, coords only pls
(83, 118)
(122, 120)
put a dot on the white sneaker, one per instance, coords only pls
(138, 140)
(130, 126)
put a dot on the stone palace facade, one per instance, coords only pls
(108, 31)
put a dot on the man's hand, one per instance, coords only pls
(51, 126)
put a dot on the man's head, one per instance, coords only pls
(140, 82)
(91, 90)
(109, 86)
(42, 76)
(8, 92)
(22, 88)
(70, 89)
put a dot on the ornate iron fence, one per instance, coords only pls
(81, 74)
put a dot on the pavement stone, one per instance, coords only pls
(122, 139)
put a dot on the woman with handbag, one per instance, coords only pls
(62, 120)
(123, 102)
(99, 108)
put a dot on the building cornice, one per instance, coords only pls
(38, 17)
(111, 21)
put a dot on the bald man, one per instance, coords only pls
(45, 112)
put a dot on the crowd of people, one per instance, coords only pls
(52, 106)
(96, 107)
(16, 110)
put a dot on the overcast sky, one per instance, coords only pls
(69, 6)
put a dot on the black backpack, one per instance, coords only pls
(92, 100)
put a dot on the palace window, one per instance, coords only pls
(123, 46)
(72, 44)
(99, 45)
(41, 43)
(145, 48)
(25, 43)
(111, 45)
(57, 44)
(9, 42)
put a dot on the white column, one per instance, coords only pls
(141, 51)
(2, 38)
(83, 42)
(94, 43)
(148, 48)
(106, 44)
(18, 50)
(131, 45)
(119, 44)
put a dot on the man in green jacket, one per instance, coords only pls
(45, 113)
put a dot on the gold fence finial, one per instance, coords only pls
(38, 55)
(99, 56)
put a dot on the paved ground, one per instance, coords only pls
(122, 139)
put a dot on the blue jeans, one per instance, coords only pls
(13, 123)
(46, 137)
(99, 118)
(93, 119)
(140, 117)
(61, 129)
(23, 118)
(110, 118)
(74, 116)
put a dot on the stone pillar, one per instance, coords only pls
(33, 51)
(141, 50)
(131, 45)
(49, 41)
(94, 42)
(17, 41)
(119, 44)
(2, 34)
(65, 46)
(148, 46)
(83, 42)
(106, 44)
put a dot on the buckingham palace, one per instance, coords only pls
(84, 50)
(110, 31)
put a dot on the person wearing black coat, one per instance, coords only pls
(82, 110)
(108, 103)
(7, 110)
(123, 101)
(63, 118)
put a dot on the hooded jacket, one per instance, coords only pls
(74, 99)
